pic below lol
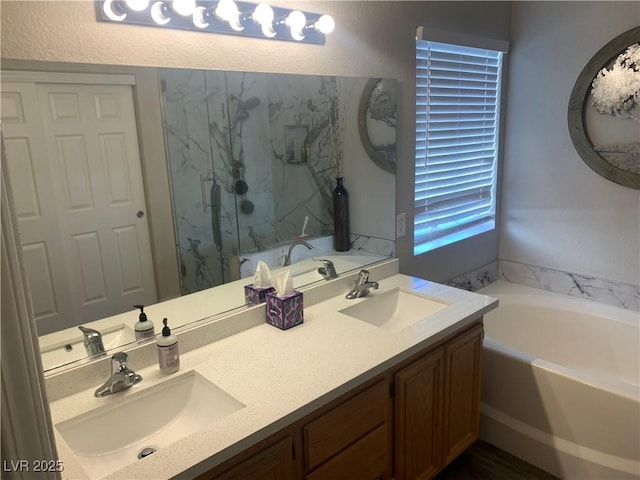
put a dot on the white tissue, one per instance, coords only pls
(283, 284)
(262, 277)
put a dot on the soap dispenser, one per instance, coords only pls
(168, 355)
(143, 327)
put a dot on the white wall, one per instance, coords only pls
(557, 212)
(372, 39)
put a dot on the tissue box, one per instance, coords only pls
(285, 312)
(256, 294)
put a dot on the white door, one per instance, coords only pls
(75, 170)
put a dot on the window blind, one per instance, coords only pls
(457, 125)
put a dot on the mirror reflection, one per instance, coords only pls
(253, 165)
(251, 160)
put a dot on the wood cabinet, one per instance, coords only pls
(272, 462)
(462, 392)
(418, 417)
(368, 459)
(437, 406)
(407, 423)
(353, 439)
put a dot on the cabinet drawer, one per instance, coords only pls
(368, 459)
(345, 424)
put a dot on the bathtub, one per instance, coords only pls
(560, 384)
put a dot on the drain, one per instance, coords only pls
(146, 452)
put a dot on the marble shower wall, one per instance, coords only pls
(283, 143)
(195, 117)
(251, 158)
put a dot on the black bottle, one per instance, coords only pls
(341, 239)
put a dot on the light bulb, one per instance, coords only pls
(296, 21)
(268, 31)
(263, 14)
(137, 5)
(227, 10)
(111, 13)
(183, 7)
(199, 17)
(158, 15)
(325, 24)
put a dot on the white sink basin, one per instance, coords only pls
(111, 437)
(395, 309)
(72, 349)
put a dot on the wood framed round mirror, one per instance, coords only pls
(609, 86)
(377, 121)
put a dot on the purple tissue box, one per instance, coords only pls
(256, 294)
(285, 312)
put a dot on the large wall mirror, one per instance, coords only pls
(250, 166)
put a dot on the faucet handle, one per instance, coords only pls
(328, 270)
(92, 341)
(119, 362)
(363, 277)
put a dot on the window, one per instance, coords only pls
(457, 126)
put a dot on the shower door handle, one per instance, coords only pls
(205, 203)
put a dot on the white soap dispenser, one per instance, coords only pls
(168, 355)
(143, 327)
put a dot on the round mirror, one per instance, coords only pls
(377, 121)
(604, 111)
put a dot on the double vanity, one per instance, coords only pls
(384, 385)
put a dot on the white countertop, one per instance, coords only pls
(280, 375)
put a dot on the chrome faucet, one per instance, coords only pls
(362, 286)
(287, 259)
(328, 271)
(92, 341)
(121, 376)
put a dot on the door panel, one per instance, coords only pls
(87, 172)
(113, 148)
(35, 204)
(36, 259)
(76, 183)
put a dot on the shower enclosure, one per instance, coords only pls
(252, 161)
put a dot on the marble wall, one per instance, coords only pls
(618, 294)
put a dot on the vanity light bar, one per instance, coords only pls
(226, 17)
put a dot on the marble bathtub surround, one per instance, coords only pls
(374, 245)
(619, 294)
(322, 245)
(476, 279)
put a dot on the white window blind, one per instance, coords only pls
(457, 125)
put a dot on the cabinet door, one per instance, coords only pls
(462, 392)
(418, 413)
(273, 463)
